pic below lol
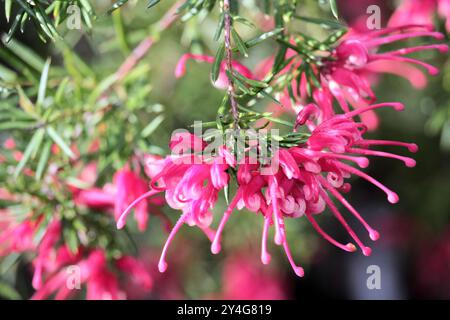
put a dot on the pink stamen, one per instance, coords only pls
(350, 247)
(397, 37)
(412, 147)
(279, 237)
(431, 69)
(384, 31)
(409, 162)
(180, 69)
(210, 233)
(366, 250)
(215, 245)
(373, 234)
(297, 269)
(265, 256)
(362, 162)
(391, 195)
(441, 47)
(123, 217)
(396, 105)
(162, 264)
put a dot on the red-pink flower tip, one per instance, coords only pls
(162, 266)
(367, 251)
(443, 48)
(215, 247)
(121, 223)
(265, 258)
(412, 147)
(398, 106)
(278, 239)
(374, 235)
(392, 197)
(362, 162)
(299, 271)
(410, 163)
(351, 247)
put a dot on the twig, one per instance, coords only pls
(229, 65)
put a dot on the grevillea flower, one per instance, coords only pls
(191, 183)
(243, 279)
(222, 80)
(346, 76)
(127, 185)
(90, 268)
(420, 12)
(310, 175)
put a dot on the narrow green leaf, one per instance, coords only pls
(11, 125)
(262, 37)
(60, 142)
(8, 6)
(43, 83)
(239, 43)
(32, 146)
(117, 5)
(152, 3)
(24, 53)
(43, 159)
(217, 62)
(334, 9)
(8, 292)
(268, 95)
(24, 102)
(325, 23)
(253, 83)
(152, 126)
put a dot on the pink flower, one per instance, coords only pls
(191, 184)
(90, 268)
(346, 77)
(9, 144)
(222, 81)
(16, 237)
(243, 279)
(420, 12)
(127, 185)
(310, 175)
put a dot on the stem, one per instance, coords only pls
(229, 66)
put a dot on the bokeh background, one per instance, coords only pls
(413, 252)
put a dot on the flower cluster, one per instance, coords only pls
(310, 175)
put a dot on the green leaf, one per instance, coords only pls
(325, 23)
(24, 102)
(152, 126)
(8, 6)
(10, 125)
(253, 83)
(24, 53)
(244, 21)
(219, 28)
(239, 43)
(334, 9)
(30, 149)
(217, 62)
(71, 238)
(43, 83)
(117, 5)
(60, 142)
(268, 95)
(43, 160)
(8, 292)
(152, 3)
(262, 37)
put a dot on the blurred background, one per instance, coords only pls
(413, 253)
